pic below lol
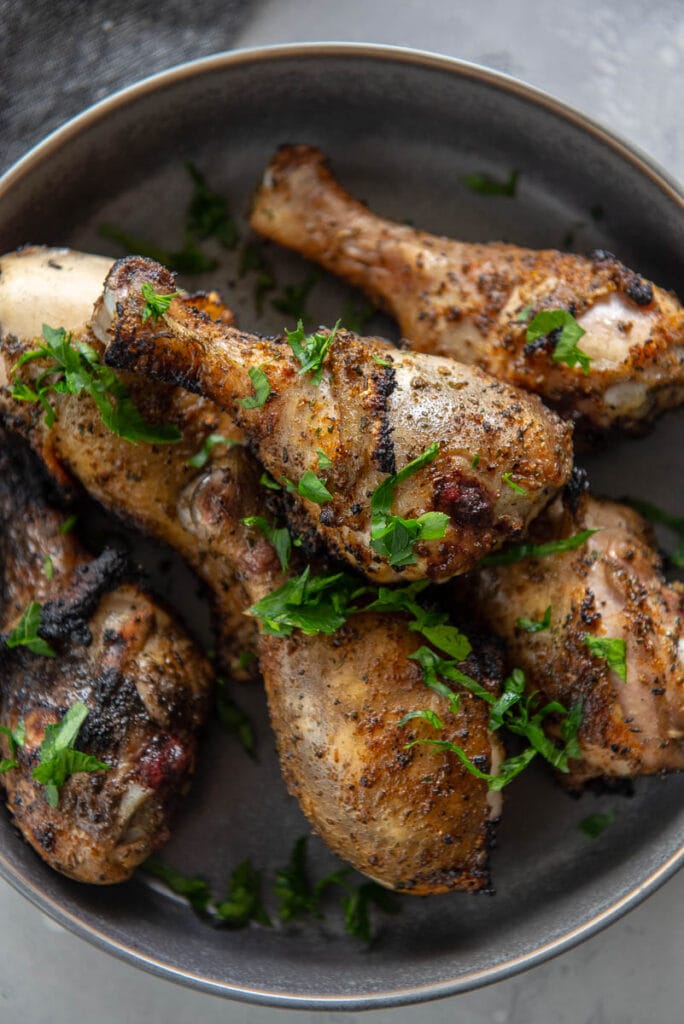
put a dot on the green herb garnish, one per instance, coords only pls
(357, 906)
(424, 714)
(355, 317)
(156, 305)
(266, 480)
(208, 214)
(195, 890)
(311, 349)
(58, 757)
(48, 568)
(560, 326)
(323, 461)
(610, 649)
(535, 625)
(279, 537)
(234, 720)
(475, 460)
(311, 487)
(15, 739)
(293, 300)
(262, 389)
(68, 524)
(75, 369)
(524, 314)
(25, 633)
(393, 537)
(594, 824)
(243, 901)
(379, 360)
(293, 887)
(663, 518)
(488, 186)
(519, 552)
(200, 459)
(318, 604)
(507, 479)
(188, 260)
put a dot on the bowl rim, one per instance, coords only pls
(628, 152)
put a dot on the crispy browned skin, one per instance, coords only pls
(369, 419)
(143, 484)
(613, 586)
(145, 684)
(413, 820)
(466, 300)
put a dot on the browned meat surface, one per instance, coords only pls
(413, 820)
(145, 685)
(611, 587)
(467, 300)
(501, 454)
(142, 483)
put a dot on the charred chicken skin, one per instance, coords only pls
(141, 483)
(610, 589)
(473, 301)
(498, 455)
(414, 820)
(145, 686)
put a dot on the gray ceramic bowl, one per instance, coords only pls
(402, 128)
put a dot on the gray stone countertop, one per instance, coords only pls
(619, 61)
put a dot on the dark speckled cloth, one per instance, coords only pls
(59, 56)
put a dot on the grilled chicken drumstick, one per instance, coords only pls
(615, 635)
(474, 301)
(490, 457)
(119, 656)
(414, 820)
(141, 483)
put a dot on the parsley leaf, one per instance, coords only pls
(594, 824)
(393, 537)
(488, 186)
(524, 314)
(318, 604)
(188, 260)
(58, 757)
(560, 326)
(312, 488)
(25, 633)
(506, 477)
(200, 459)
(234, 720)
(293, 300)
(68, 524)
(311, 349)
(243, 901)
(278, 537)
(535, 625)
(6, 765)
(75, 369)
(293, 887)
(518, 552)
(323, 461)
(15, 738)
(155, 303)
(610, 649)
(262, 389)
(475, 460)
(424, 714)
(379, 360)
(48, 568)
(357, 905)
(267, 481)
(208, 214)
(196, 890)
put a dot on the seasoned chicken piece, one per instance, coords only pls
(145, 685)
(141, 483)
(497, 454)
(473, 301)
(610, 588)
(414, 820)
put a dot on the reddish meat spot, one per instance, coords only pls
(166, 760)
(465, 501)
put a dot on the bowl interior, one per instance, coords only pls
(401, 131)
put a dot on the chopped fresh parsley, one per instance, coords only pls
(312, 488)
(379, 360)
(155, 303)
(393, 537)
(208, 214)
(48, 568)
(15, 739)
(262, 389)
(524, 314)
(318, 604)
(563, 331)
(356, 317)
(243, 900)
(610, 649)
(663, 518)
(266, 480)
(311, 349)
(535, 625)
(594, 824)
(518, 552)
(279, 537)
(293, 300)
(75, 368)
(323, 461)
(475, 460)
(234, 720)
(296, 894)
(357, 904)
(188, 260)
(507, 479)
(426, 715)
(68, 524)
(58, 757)
(25, 633)
(196, 890)
(489, 186)
(200, 459)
